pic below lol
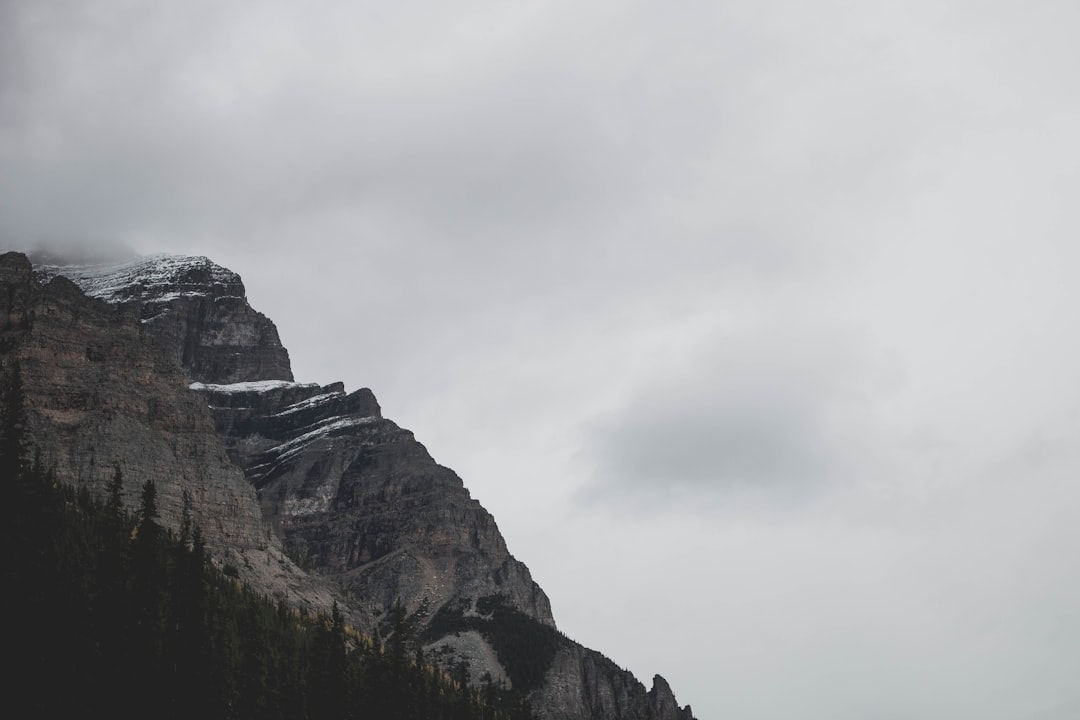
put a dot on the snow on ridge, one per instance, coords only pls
(291, 448)
(251, 386)
(323, 427)
(310, 403)
(150, 277)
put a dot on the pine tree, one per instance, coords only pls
(150, 596)
(148, 512)
(116, 491)
(13, 443)
(328, 682)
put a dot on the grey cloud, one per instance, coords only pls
(710, 441)
(131, 129)
(568, 122)
(76, 250)
(761, 414)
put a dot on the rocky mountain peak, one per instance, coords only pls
(15, 269)
(196, 307)
(150, 279)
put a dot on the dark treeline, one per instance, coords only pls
(110, 613)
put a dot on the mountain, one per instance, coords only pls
(160, 366)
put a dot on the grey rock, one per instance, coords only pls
(473, 649)
(198, 309)
(358, 498)
(582, 684)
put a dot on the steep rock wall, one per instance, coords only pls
(582, 684)
(357, 497)
(103, 392)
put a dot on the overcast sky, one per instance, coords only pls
(754, 323)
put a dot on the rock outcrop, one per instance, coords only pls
(582, 684)
(161, 365)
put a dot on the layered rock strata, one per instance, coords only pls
(357, 497)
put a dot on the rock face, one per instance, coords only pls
(167, 370)
(583, 684)
(102, 392)
(357, 497)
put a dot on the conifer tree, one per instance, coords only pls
(149, 599)
(12, 425)
(116, 491)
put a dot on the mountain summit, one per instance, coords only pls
(160, 366)
(198, 310)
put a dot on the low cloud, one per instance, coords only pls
(762, 413)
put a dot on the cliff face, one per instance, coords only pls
(167, 370)
(103, 392)
(582, 684)
(357, 497)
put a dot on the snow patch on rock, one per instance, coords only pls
(258, 386)
(153, 278)
(309, 403)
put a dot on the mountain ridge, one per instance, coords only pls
(338, 490)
